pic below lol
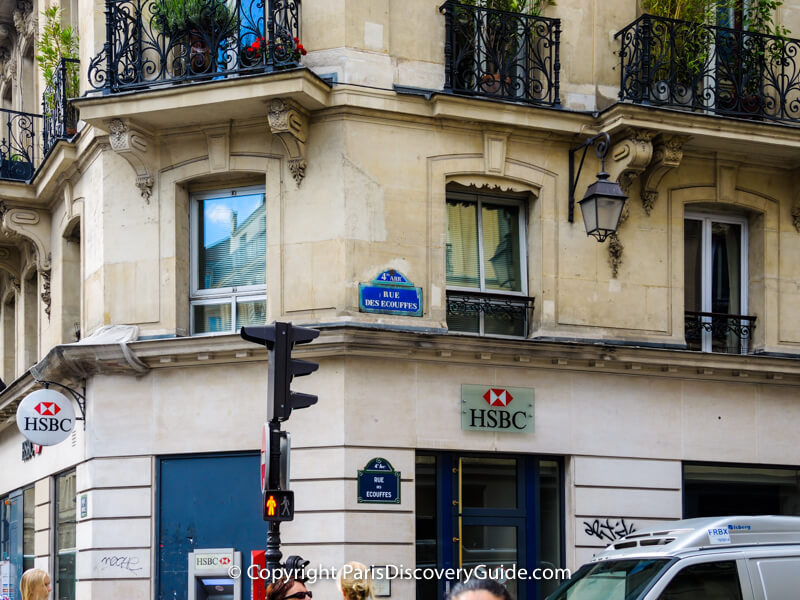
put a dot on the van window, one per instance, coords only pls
(611, 580)
(709, 581)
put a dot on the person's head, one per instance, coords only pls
(35, 585)
(355, 581)
(480, 589)
(286, 588)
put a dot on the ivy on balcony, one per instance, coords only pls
(703, 68)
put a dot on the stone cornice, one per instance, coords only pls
(73, 363)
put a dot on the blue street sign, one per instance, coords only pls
(378, 483)
(390, 293)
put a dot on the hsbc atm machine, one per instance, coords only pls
(211, 574)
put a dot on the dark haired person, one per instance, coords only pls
(480, 589)
(287, 589)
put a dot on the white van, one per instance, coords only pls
(718, 558)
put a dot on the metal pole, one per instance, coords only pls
(273, 553)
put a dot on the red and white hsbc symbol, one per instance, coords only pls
(46, 417)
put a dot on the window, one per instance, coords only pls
(65, 536)
(486, 274)
(710, 581)
(229, 268)
(711, 490)
(715, 291)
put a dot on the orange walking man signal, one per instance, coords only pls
(278, 505)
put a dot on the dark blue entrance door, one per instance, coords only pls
(206, 501)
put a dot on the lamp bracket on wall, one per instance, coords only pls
(79, 398)
(601, 150)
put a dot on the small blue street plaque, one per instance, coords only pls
(378, 483)
(390, 293)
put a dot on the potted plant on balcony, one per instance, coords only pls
(197, 28)
(498, 48)
(56, 43)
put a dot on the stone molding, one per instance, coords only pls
(132, 144)
(289, 122)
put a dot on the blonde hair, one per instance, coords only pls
(355, 581)
(32, 585)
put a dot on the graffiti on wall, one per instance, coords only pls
(607, 530)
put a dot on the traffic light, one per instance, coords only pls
(278, 505)
(280, 338)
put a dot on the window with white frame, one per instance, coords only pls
(229, 252)
(486, 271)
(715, 289)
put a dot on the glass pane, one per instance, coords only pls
(468, 321)
(28, 529)
(65, 511)
(212, 318)
(507, 321)
(4, 516)
(251, 312)
(549, 521)
(726, 254)
(712, 490)
(491, 546)
(488, 482)
(425, 492)
(501, 247)
(65, 578)
(710, 581)
(232, 241)
(693, 265)
(462, 244)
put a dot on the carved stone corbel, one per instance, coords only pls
(667, 155)
(131, 144)
(25, 20)
(796, 218)
(31, 225)
(630, 157)
(289, 122)
(46, 291)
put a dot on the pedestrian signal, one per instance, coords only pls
(278, 505)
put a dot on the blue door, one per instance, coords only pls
(206, 501)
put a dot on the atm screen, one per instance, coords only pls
(218, 588)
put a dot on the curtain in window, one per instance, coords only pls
(462, 245)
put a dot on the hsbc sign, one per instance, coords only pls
(495, 408)
(46, 417)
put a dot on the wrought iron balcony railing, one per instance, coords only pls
(716, 332)
(500, 54)
(20, 153)
(150, 42)
(488, 314)
(710, 69)
(60, 116)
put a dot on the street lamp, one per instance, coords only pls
(602, 205)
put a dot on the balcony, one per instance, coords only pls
(716, 332)
(706, 69)
(489, 314)
(157, 43)
(26, 139)
(501, 55)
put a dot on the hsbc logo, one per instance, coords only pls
(47, 409)
(498, 397)
(224, 560)
(496, 409)
(212, 561)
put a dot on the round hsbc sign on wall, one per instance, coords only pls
(46, 417)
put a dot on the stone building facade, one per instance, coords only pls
(212, 183)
